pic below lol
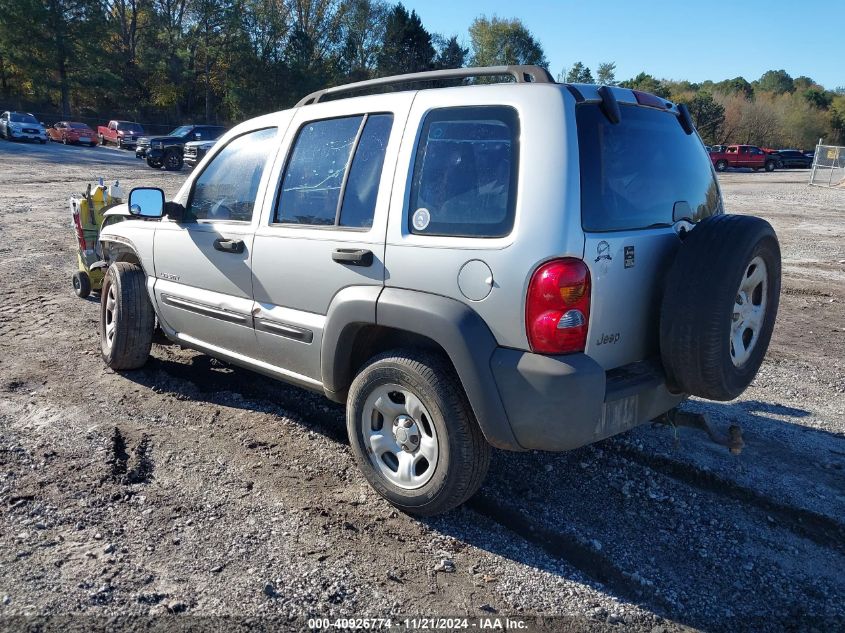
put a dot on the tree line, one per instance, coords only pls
(222, 61)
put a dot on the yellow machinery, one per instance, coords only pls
(87, 211)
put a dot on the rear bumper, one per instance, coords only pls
(558, 403)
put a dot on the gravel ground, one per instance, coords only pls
(194, 488)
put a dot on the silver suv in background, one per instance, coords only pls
(22, 126)
(524, 265)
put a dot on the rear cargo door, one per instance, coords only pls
(642, 179)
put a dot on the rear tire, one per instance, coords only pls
(719, 306)
(81, 284)
(127, 318)
(413, 396)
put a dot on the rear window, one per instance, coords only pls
(642, 172)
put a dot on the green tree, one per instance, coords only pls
(51, 38)
(776, 81)
(818, 97)
(708, 114)
(837, 117)
(362, 24)
(579, 74)
(451, 54)
(737, 85)
(407, 46)
(499, 42)
(646, 83)
(802, 83)
(606, 74)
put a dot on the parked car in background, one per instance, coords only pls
(196, 150)
(22, 126)
(743, 156)
(168, 151)
(72, 132)
(793, 158)
(120, 133)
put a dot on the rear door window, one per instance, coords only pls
(465, 173)
(644, 171)
(333, 172)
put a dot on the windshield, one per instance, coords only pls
(642, 171)
(23, 118)
(181, 130)
(79, 126)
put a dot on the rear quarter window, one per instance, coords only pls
(644, 171)
(465, 173)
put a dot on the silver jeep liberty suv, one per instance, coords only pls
(524, 265)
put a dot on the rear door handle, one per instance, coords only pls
(353, 257)
(228, 246)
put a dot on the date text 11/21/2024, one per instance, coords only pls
(491, 623)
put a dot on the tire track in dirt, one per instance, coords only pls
(819, 528)
(566, 547)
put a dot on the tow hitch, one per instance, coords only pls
(677, 418)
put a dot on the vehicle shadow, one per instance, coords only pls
(693, 535)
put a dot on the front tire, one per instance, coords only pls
(770, 165)
(173, 160)
(153, 163)
(721, 165)
(413, 432)
(127, 318)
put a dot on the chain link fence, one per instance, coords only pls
(828, 166)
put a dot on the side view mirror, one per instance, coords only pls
(146, 202)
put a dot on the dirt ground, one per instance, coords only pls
(191, 488)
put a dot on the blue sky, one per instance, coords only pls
(673, 40)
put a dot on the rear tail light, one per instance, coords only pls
(557, 309)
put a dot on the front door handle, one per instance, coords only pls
(353, 257)
(228, 246)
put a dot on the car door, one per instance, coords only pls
(325, 227)
(203, 283)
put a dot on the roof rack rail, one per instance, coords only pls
(521, 73)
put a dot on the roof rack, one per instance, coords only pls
(521, 73)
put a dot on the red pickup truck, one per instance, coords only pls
(121, 133)
(743, 156)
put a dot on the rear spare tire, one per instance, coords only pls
(719, 306)
(126, 317)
